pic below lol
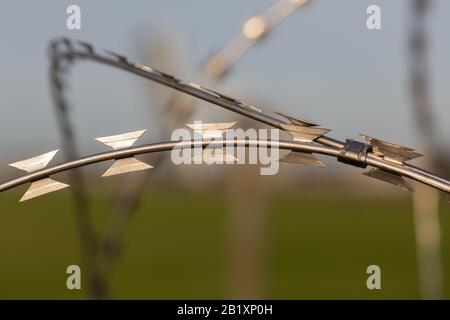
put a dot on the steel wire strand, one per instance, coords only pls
(87, 52)
(167, 146)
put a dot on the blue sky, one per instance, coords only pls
(321, 64)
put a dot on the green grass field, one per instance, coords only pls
(175, 247)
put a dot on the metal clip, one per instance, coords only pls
(354, 153)
(42, 186)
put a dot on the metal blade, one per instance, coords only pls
(389, 178)
(41, 187)
(304, 134)
(35, 163)
(121, 141)
(210, 131)
(391, 151)
(126, 165)
(302, 158)
(297, 121)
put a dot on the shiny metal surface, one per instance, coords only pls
(296, 121)
(43, 186)
(391, 151)
(122, 141)
(210, 131)
(167, 146)
(304, 134)
(35, 163)
(386, 156)
(389, 178)
(164, 146)
(303, 158)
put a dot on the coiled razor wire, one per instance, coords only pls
(388, 159)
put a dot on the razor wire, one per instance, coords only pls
(177, 109)
(388, 159)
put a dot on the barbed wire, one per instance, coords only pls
(389, 158)
(178, 108)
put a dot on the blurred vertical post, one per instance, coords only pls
(246, 233)
(425, 200)
(179, 108)
(246, 227)
(96, 285)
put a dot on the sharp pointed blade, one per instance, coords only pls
(391, 151)
(211, 130)
(302, 158)
(296, 121)
(121, 141)
(35, 163)
(125, 166)
(41, 187)
(304, 134)
(389, 178)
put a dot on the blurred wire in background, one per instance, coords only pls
(426, 200)
(246, 233)
(101, 253)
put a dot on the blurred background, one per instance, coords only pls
(218, 232)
